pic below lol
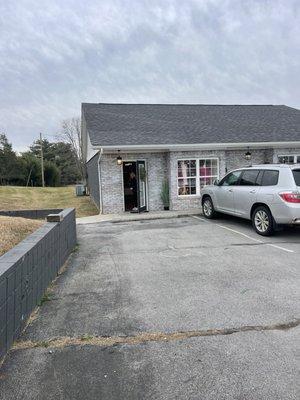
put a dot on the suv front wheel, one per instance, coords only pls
(262, 221)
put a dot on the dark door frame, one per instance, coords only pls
(139, 190)
(145, 208)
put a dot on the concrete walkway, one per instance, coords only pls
(136, 216)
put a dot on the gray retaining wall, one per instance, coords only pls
(31, 214)
(27, 270)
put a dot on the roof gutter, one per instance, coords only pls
(198, 146)
(100, 183)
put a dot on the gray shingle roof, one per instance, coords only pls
(143, 124)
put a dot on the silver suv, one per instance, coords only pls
(269, 195)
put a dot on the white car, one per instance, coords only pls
(268, 194)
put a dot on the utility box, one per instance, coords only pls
(80, 190)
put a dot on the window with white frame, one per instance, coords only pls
(208, 171)
(194, 174)
(289, 159)
(187, 177)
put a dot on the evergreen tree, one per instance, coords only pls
(9, 165)
(60, 164)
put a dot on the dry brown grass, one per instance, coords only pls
(18, 198)
(13, 230)
(145, 337)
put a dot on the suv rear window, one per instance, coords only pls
(296, 173)
(269, 178)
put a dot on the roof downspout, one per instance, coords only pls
(100, 182)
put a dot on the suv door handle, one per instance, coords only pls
(230, 190)
(252, 191)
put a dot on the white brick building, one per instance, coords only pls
(133, 150)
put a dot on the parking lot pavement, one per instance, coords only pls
(286, 239)
(169, 309)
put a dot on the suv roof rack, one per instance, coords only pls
(280, 165)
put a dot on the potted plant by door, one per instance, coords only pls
(164, 195)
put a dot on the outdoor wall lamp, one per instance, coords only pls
(119, 158)
(248, 155)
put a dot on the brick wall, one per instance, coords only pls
(186, 202)
(162, 166)
(27, 270)
(286, 151)
(236, 158)
(112, 180)
(228, 160)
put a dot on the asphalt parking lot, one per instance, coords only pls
(166, 309)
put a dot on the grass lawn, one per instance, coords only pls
(13, 230)
(17, 198)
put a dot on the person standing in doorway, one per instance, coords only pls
(133, 187)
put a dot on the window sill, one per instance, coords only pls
(188, 196)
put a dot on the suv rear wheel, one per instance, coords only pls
(208, 208)
(262, 221)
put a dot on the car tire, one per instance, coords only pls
(208, 208)
(262, 221)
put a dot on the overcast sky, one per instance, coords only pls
(56, 54)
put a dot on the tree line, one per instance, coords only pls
(63, 160)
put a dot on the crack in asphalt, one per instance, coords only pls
(109, 341)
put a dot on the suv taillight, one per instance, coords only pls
(290, 197)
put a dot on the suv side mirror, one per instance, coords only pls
(216, 182)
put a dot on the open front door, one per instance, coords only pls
(141, 186)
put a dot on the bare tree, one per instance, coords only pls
(71, 133)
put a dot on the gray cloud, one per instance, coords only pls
(55, 55)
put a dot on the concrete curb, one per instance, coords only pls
(136, 217)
